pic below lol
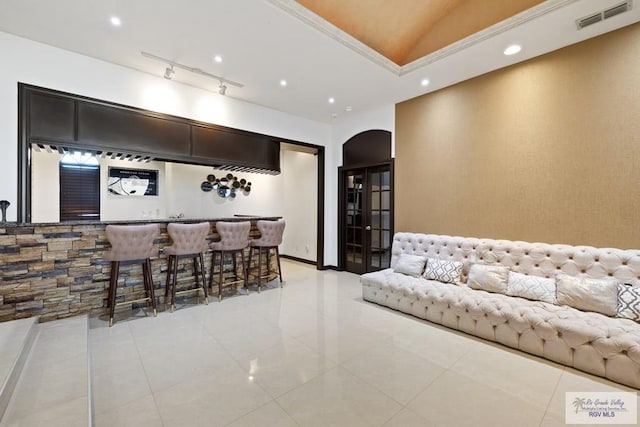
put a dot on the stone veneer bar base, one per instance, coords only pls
(56, 270)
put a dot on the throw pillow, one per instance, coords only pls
(412, 265)
(629, 302)
(599, 295)
(492, 278)
(443, 270)
(532, 287)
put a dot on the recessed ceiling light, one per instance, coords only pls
(349, 108)
(217, 58)
(115, 21)
(283, 82)
(512, 50)
(331, 100)
(425, 82)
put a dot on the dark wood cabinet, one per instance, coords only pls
(51, 118)
(106, 127)
(76, 122)
(235, 148)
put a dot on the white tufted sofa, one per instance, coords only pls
(604, 346)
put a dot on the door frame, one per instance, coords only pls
(342, 174)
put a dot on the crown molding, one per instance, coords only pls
(300, 12)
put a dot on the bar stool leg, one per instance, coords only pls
(168, 281)
(213, 265)
(204, 283)
(268, 274)
(260, 268)
(245, 274)
(174, 284)
(146, 268)
(195, 270)
(221, 275)
(113, 284)
(279, 268)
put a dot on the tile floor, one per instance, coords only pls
(52, 388)
(315, 354)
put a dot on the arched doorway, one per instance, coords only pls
(366, 202)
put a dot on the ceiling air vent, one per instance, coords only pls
(616, 10)
(589, 20)
(604, 14)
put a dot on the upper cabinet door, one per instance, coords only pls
(227, 147)
(107, 127)
(51, 118)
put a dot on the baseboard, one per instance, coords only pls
(330, 267)
(294, 258)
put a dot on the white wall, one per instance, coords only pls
(45, 187)
(43, 65)
(265, 198)
(300, 173)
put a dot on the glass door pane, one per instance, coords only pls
(379, 215)
(355, 239)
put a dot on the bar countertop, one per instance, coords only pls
(139, 221)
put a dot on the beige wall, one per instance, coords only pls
(546, 150)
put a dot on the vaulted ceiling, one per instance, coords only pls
(406, 30)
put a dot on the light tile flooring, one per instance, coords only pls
(314, 354)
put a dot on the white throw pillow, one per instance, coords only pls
(629, 302)
(599, 295)
(443, 270)
(412, 265)
(492, 278)
(532, 287)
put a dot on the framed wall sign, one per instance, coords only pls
(132, 182)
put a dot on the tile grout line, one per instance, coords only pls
(90, 407)
(146, 375)
(555, 389)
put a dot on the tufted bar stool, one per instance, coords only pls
(131, 244)
(270, 238)
(234, 239)
(189, 241)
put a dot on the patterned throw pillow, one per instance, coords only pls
(628, 302)
(490, 278)
(412, 265)
(442, 270)
(532, 287)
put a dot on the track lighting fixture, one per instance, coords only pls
(168, 73)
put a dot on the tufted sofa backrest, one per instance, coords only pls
(538, 259)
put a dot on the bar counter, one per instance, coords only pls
(56, 270)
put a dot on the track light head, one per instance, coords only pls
(222, 89)
(168, 73)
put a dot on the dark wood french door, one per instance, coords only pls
(366, 218)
